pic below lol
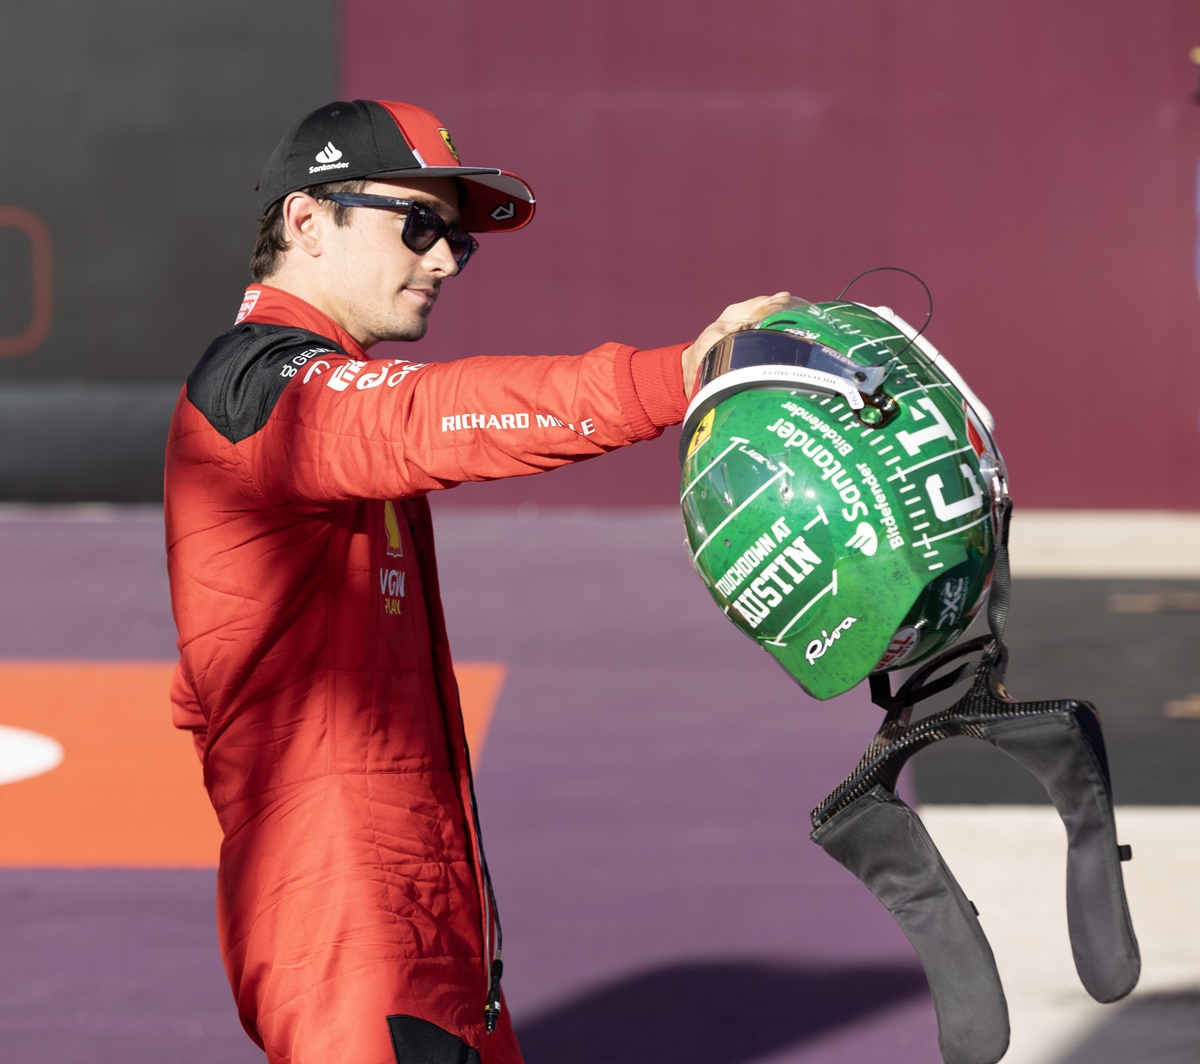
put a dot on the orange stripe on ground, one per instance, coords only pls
(128, 792)
(479, 684)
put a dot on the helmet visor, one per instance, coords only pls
(769, 347)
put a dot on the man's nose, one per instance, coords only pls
(440, 258)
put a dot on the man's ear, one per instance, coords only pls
(304, 221)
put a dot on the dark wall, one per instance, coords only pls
(1035, 163)
(132, 132)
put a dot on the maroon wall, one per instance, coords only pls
(1035, 163)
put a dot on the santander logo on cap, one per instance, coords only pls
(328, 157)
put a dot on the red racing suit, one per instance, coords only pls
(354, 911)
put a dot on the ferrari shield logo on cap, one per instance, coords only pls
(450, 143)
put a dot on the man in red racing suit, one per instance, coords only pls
(355, 913)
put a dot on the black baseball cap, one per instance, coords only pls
(345, 140)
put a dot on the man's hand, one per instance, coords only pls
(734, 318)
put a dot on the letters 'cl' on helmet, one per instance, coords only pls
(840, 492)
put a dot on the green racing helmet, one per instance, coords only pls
(840, 492)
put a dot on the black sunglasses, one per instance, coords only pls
(423, 227)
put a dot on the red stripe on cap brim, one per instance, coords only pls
(507, 203)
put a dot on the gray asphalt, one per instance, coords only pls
(1078, 639)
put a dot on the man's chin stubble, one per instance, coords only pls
(408, 333)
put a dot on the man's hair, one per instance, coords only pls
(272, 242)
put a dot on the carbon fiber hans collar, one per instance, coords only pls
(881, 840)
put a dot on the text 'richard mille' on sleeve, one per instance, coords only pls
(348, 429)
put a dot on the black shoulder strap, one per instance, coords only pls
(241, 376)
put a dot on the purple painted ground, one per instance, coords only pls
(644, 791)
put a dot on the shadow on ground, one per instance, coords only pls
(1158, 1028)
(713, 1013)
